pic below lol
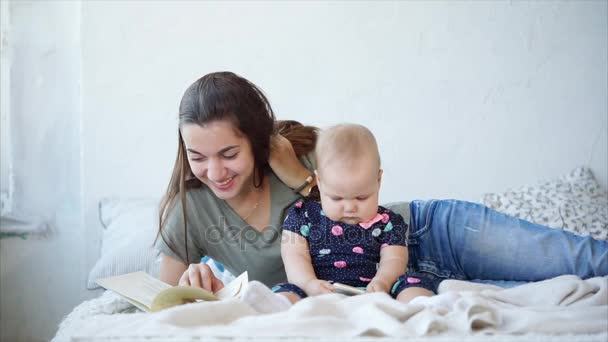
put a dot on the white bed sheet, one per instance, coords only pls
(565, 308)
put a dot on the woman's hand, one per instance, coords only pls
(285, 163)
(378, 285)
(200, 275)
(315, 287)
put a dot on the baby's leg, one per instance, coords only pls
(292, 297)
(415, 284)
(410, 293)
(290, 291)
(263, 300)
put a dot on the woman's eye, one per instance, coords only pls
(197, 159)
(231, 156)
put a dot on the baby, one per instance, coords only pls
(347, 238)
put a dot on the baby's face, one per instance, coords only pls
(349, 194)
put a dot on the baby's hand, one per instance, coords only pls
(317, 287)
(378, 285)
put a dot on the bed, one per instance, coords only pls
(565, 308)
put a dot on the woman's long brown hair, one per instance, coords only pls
(227, 96)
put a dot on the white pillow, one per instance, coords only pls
(575, 202)
(127, 243)
(128, 237)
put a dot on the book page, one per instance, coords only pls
(179, 295)
(235, 288)
(139, 288)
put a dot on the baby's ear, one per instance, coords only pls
(380, 176)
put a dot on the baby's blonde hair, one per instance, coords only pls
(346, 143)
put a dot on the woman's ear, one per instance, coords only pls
(317, 179)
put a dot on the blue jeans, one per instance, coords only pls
(468, 241)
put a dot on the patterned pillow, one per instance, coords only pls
(574, 202)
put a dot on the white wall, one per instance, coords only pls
(43, 277)
(464, 98)
(5, 164)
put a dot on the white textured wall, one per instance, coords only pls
(43, 278)
(5, 152)
(464, 98)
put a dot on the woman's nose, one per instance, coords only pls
(215, 171)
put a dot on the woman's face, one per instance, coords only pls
(220, 156)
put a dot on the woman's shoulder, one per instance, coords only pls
(309, 160)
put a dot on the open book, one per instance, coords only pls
(150, 294)
(348, 290)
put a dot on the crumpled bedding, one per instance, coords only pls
(559, 309)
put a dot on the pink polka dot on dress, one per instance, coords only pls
(340, 264)
(337, 230)
(358, 250)
(412, 280)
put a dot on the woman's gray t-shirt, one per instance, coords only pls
(216, 230)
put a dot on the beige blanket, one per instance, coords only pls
(563, 305)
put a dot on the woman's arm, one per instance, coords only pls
(175, 272)
(298, 265)
(287, 166)
(393, 261)
(171, 269)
